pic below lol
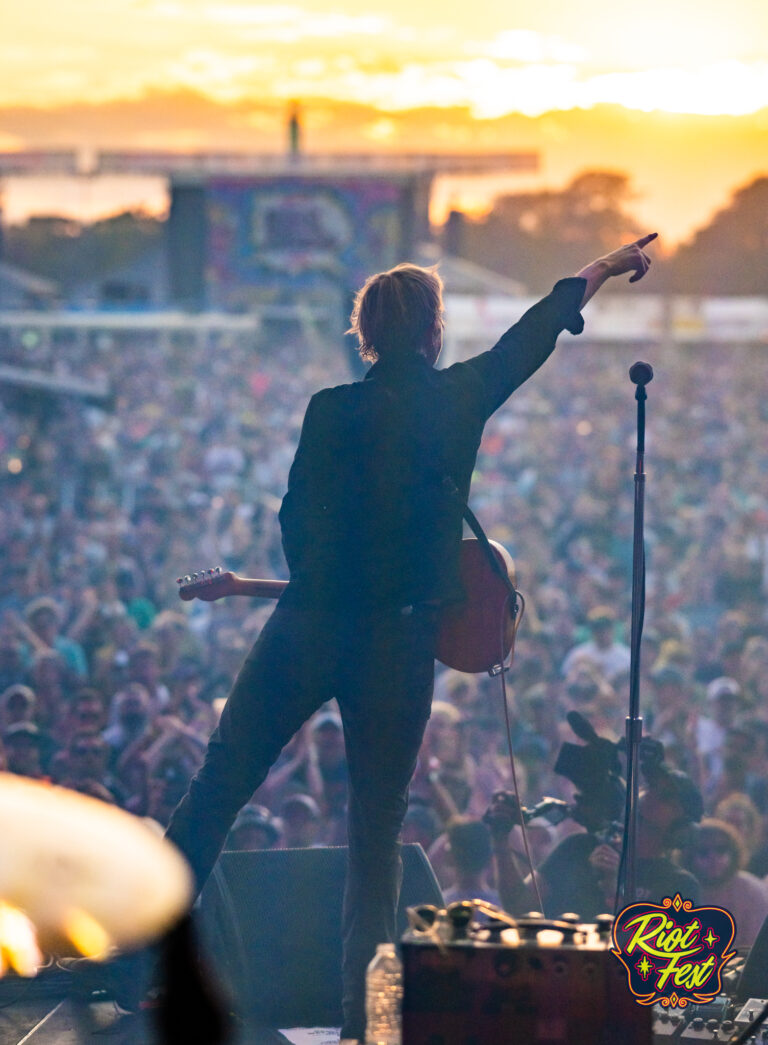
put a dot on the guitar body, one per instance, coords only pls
(475, 635)
(470, 637)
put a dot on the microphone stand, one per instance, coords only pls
(640, 374)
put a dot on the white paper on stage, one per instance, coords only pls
(312, 1035)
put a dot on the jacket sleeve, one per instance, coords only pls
(525, 346)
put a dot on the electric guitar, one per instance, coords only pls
(475, 635)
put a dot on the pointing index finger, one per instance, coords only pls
(646, 239)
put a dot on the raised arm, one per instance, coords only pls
(517, 893)
(629, 258)
(524, 347)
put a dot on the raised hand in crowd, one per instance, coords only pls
(515, 889)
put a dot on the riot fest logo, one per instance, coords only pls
(673, 952)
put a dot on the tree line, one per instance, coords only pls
(528, 237)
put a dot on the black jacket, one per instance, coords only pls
(366, 520)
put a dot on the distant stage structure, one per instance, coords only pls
(250, 230)
(310, 226)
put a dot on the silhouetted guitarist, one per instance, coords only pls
(371, 535)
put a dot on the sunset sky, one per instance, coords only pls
(677, 55)
(491, 59)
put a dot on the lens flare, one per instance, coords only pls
(88, 936)
(18, 942)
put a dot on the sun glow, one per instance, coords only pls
(394, 56)
(729, 88)
(487, 87)
(490, 88)
(18, 942)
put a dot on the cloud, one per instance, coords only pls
(294, 23)
(246, 50)
(218, 74)
(525, 45)
(723, 88)
(492, 88)
(281, 22)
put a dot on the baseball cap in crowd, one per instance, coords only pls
(599, 616)
(41, 604)
(669, 675)
(422, 816)
(300, 802)
(22, 732)
(723, 687)
(677, 785)
(260, 817)
(17, 694)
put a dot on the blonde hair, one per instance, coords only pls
(710, 828)
(395, 311)
(738, 802)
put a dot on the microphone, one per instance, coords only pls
(641, 373)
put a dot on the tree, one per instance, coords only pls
(535, 237)
(72, 254)
(730, 254)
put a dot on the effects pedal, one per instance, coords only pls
(750, 1013)
(712, 1029)
(552, 982)
(667, 1024)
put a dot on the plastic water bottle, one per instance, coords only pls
(383, 997)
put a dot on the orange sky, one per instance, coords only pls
(677, 55)
(494, 76)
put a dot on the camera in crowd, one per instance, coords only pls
(595, 769)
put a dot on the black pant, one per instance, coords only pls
(380, 668)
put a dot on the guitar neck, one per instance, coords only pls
(255, 588)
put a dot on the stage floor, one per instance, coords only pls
(63, 1022)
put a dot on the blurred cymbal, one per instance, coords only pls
(88, 876)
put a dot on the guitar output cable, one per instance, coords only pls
(519, 612)
(514, 604)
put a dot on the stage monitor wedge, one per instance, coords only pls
(271, 925)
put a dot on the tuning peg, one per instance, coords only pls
(218, 569)
(187, 579)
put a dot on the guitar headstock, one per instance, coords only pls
(207, 585)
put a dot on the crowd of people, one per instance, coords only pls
(111, 686)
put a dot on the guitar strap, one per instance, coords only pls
(473, 523)
(450, 487)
